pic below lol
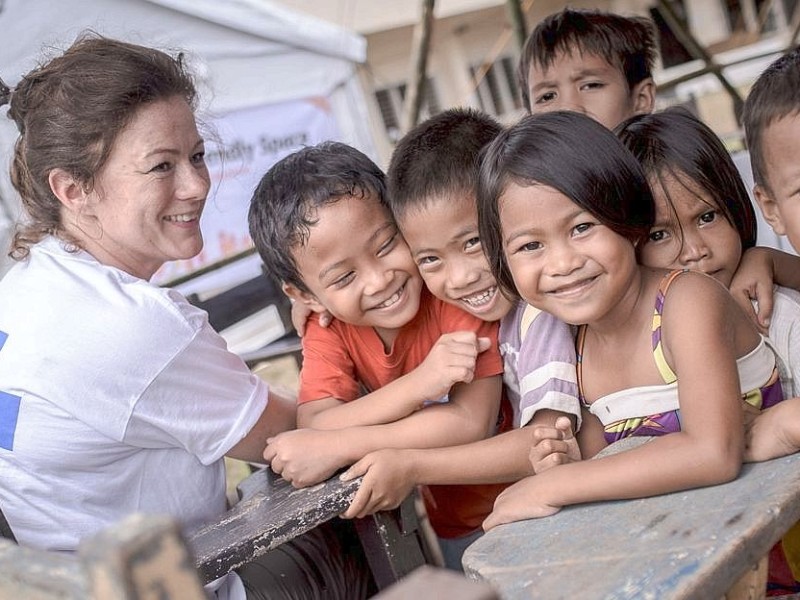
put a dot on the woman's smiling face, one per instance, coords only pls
(150, 193)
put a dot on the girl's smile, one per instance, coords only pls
(562, 259)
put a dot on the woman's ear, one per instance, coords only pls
(307, 298)
(70, 192)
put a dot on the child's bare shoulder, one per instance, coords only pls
(692, 293)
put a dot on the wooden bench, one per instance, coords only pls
(269, 513)
(693, 544)
(143, 558)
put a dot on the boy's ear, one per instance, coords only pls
(307, 298)
(644, 96)
(70, 192)
(769, 208)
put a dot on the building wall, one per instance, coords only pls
(469, 34)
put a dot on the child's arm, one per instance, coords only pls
(308, 456)
(390, 475)
(759, 268)
(451, 360)
(699, 334)
(544, 370)
(774, 432)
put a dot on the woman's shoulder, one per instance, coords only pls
(75, 288)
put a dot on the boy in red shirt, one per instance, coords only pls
(320, 221)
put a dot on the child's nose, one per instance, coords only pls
(461, 276)
(694, 248)
(376, 281)
(571, 101)
(563, 260)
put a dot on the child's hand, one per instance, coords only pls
(774, 432)
(305, 457)
(753, 281)
(553, 445)
(526, 499)
(300, 314)
(387, 482)
(451, 360)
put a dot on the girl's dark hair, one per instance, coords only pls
(674, 142)
(574, 155)
(69, 112)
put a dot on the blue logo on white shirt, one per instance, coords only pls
(9, 411)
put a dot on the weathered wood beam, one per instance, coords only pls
(795, 29)
(420, 47)
(697, 51)
(517, 19)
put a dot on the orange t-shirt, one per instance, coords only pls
(342, 360)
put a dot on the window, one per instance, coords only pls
(497, 90)
(758, 16)
(671, 50)
(390, 102)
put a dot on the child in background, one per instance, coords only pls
(704, 218)
(599, 64)
(320, 221)
(432, 181)
(771, 120)
(592, 62)
(564, 210)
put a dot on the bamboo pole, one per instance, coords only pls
(517, 19)
(419, 63)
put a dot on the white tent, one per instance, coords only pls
(270, 80)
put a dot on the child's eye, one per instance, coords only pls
(529, 247)
(658, 235)
(387, 246)
(582, 227)
(546, 97)
(471, 243)
(593, 85)
(427, 262)
(344, 279)
(708, 217)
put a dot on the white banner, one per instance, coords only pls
(252, 140)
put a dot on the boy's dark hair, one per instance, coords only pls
(674, 142)
(627, 43)
(439, 157)
(774, 95)
(576, 156)
(284, 205)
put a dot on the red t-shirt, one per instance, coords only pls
(341, 360)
